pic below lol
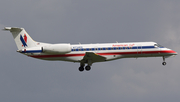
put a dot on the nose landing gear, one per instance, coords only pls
(163, 63)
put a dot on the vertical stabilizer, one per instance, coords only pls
(21, 37)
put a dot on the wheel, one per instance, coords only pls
(164, 63)
(88, 68)
(81, 68)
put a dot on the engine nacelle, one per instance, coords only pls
(57, 48)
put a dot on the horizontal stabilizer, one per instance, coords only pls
(13, 29)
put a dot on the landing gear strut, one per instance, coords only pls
(164, 63)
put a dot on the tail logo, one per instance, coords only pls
(23, 40)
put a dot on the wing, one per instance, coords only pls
(93, 57)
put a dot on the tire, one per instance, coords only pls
(88, 68)
(81, 68)
(164, 63)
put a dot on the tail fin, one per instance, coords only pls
(21, 37)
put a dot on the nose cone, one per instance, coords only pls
(169, 52)
(173, 52)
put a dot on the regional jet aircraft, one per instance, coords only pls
(86, 53)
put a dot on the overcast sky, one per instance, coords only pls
(24, 79)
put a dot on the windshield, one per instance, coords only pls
(157, 45)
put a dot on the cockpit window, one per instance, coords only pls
(157, 45)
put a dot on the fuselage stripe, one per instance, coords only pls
(111, 53)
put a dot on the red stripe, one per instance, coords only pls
(115, 53)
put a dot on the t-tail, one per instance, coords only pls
(26, 44)
(21, 37)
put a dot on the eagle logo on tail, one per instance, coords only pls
(23, 40)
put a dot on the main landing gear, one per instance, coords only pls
(87, 68)
(164, 63)
(81, 68)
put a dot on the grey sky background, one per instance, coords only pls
(24, 79)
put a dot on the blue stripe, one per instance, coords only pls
(23, 42)
(143, 47)
(147, 47)
(32, 51)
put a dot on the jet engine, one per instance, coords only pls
(57, 48)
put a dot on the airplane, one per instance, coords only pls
(86, 53)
